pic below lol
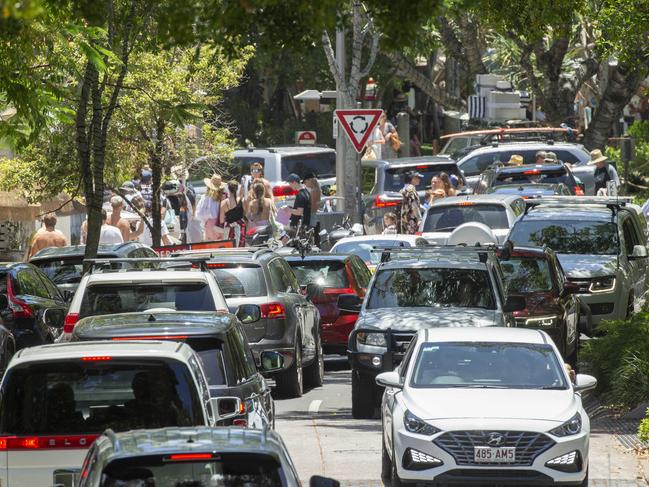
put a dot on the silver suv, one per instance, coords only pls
(601, 244)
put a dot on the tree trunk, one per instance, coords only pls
(622, 85)
(156, 181)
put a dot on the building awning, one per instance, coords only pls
(13, 207)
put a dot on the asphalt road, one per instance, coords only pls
(324, 439)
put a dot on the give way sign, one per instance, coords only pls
(358, 125)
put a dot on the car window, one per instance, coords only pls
(526, 275)
(244, 163)
(534, 176)
(629, 235)
(238, 363)
(60, 271)
(239, 279)
(403, 368)
(395, 176)
(326, 273)
(477, 164)
(362, 273)
(290, 276)
(3, 282)
(210, 353)
(90, 396)
(249, 360)
(52, 290)
(368, 175)
(364, 248)
(518, 207)
(28, 283)
(323, 164)
(447, 218)
(438, 288)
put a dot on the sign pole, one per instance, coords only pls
(341, 144)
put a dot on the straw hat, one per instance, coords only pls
(214, 183)
(596, 156)
(515, 160)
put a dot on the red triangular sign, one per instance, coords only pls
(358, 125)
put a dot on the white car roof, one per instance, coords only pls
(148, 276)
(493, 198)
(494, 334)
(508, 147)
(368, 238)
(77, 350)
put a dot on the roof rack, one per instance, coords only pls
(610, 202)
(503, 131)
(99, 265)
(255, 251)
(481, 251)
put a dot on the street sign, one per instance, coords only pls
(307, 137)
(358, 125)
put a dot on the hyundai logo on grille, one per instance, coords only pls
(495, 439)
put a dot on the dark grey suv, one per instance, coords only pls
(288, 322)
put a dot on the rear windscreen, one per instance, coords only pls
(222, 469)
(239, 279)
(395, 177)
(326, 273)
(78, 396)
(535, 176)
(323, 164)
(62, 271)
(448, 218)
(103, 299)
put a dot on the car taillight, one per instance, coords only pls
(272, 311)
(46, 442)
(339, 290)
(379, 202)
(190, 457)
(19, 308)
(152, 337)
(283, 190)
(579, 191)
(98, 358)
(69, 322)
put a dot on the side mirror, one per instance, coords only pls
(271, 361)
(248, 313)
(318, 481)
(349, 303)
(313, 290)
(54, 317)
(585, 382)
(4, 302)
(389, 379)
(227, 407)
(514, 303)
(639, 252)
(570, 288)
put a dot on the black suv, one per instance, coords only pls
(35, 307)
(288, 322)
(501, 175)
(382, 181)
(218, 340)
(64, 265)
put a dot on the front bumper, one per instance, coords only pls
(606, 306)
(451, 471)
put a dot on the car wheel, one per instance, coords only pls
(290, 383)
(386, 463)
(395, 481)
(362, 397)
(314, 373)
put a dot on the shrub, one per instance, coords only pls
(643, 429)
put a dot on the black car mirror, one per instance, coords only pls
(248, 313)
(318, 481)
(4, 302)
(271, 361)
(350, 303)
(313, 290)
(54, 317)
(514, 303)
(226, 407)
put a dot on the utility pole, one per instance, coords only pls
(342, 145)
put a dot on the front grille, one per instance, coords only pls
(460, 444)
(584, 285)
(602, 308)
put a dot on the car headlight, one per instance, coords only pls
(371, 339)
(418, 425)
(602, 284)
(569, 428)
(542, 321)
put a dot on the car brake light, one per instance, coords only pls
(215, 266)
(579, 191)
(98, 358)
(185, 457)
(422, 167)
(19, 308)
(152, 337)
(272, 311)
(240, 422)
(381, 203)
(45, 442)
(69, 322)
(339, 290)
(283, 190)
(532, 171)
(465, 203)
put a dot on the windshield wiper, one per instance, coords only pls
(485, 386)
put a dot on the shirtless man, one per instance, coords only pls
(122, 224)
(48, 236)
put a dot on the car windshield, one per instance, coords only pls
(104, 299)
(488, 365)
(447, 218)
(567, 237)
(395, 177)
(364, 248)
(533, 176)
(88, 396)
(222, 469)
(399, 288)
(526, 274)
(326, 273)
(323, 164)
(62, 271)
(239, 279)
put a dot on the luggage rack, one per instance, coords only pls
(98, 266)
(224, 252)
(611, 202)
(481, 251)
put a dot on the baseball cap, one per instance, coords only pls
(293, 178)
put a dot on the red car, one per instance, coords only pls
(337, 274)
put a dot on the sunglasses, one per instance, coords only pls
(255, 170)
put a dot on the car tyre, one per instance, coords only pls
(314, 373)
(290, 383)
(362, 397)
(386, 463)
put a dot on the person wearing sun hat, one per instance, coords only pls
(604, 172)
(515, 160)
(208, 209)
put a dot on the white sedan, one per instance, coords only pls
(476, 405)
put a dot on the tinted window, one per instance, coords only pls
(62, 271)
(395, 177)
(526, 275)
(363, 249)
(534, 176)
(89, 397)
(30, 284)
(225, 469)
(238, 366)
(282, 276)
(567, 237)
(245, 162)
(630, 238)
(477, 164)
(323, 164)
(210, 352)
(52, 290)
(369, 179)
(465, 288)
(103, 299)
(488, 365)
(363, 274)
(3, 282)
(326, 273)
(446, 218)
(240, 280)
